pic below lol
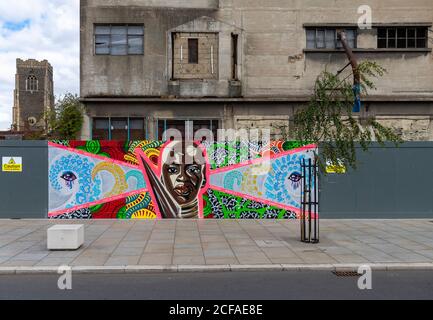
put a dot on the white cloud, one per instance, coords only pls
(39, 29)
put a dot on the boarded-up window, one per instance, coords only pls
(195, 55)
(193, 51)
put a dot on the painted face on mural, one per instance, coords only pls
(183, 181)
(183, 173)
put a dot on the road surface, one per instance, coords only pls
(220, 286)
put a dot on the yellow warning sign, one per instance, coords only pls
(12, 164)
(338, 168)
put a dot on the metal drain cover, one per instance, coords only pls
(346, 273)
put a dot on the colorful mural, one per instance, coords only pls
(177, 179)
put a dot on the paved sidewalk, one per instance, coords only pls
(117, 244)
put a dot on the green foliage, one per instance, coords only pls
(328, 119)
(66, 119)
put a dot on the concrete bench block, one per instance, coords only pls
(65, 237)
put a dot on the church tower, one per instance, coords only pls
(33, 95)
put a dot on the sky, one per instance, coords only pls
(38, 29)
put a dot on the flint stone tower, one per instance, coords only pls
(33, 94)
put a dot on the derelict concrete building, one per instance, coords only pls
(149, 65)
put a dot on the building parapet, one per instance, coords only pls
(199, 4)
(34, 63)
(295, 98)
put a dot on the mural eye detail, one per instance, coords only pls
(193, 169)
(69, 178)
(296, 178)
(173, 170)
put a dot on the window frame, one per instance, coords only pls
(163, 124)
(396, 37)
(336, 42)
(110, 39)
(32, 83)
(110, 127)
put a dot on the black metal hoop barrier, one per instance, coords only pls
(310, 223)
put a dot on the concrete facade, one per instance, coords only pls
(263, 70)
(33, 94)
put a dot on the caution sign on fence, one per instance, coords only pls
(12, 164)
(335, 168)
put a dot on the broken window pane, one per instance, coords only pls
(102, 44)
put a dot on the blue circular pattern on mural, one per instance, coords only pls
(233, 180)
(283, 184)
(82, 189)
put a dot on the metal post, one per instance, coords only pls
(309, 199)
(303, 201)
(309, 202)
(316, 204)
